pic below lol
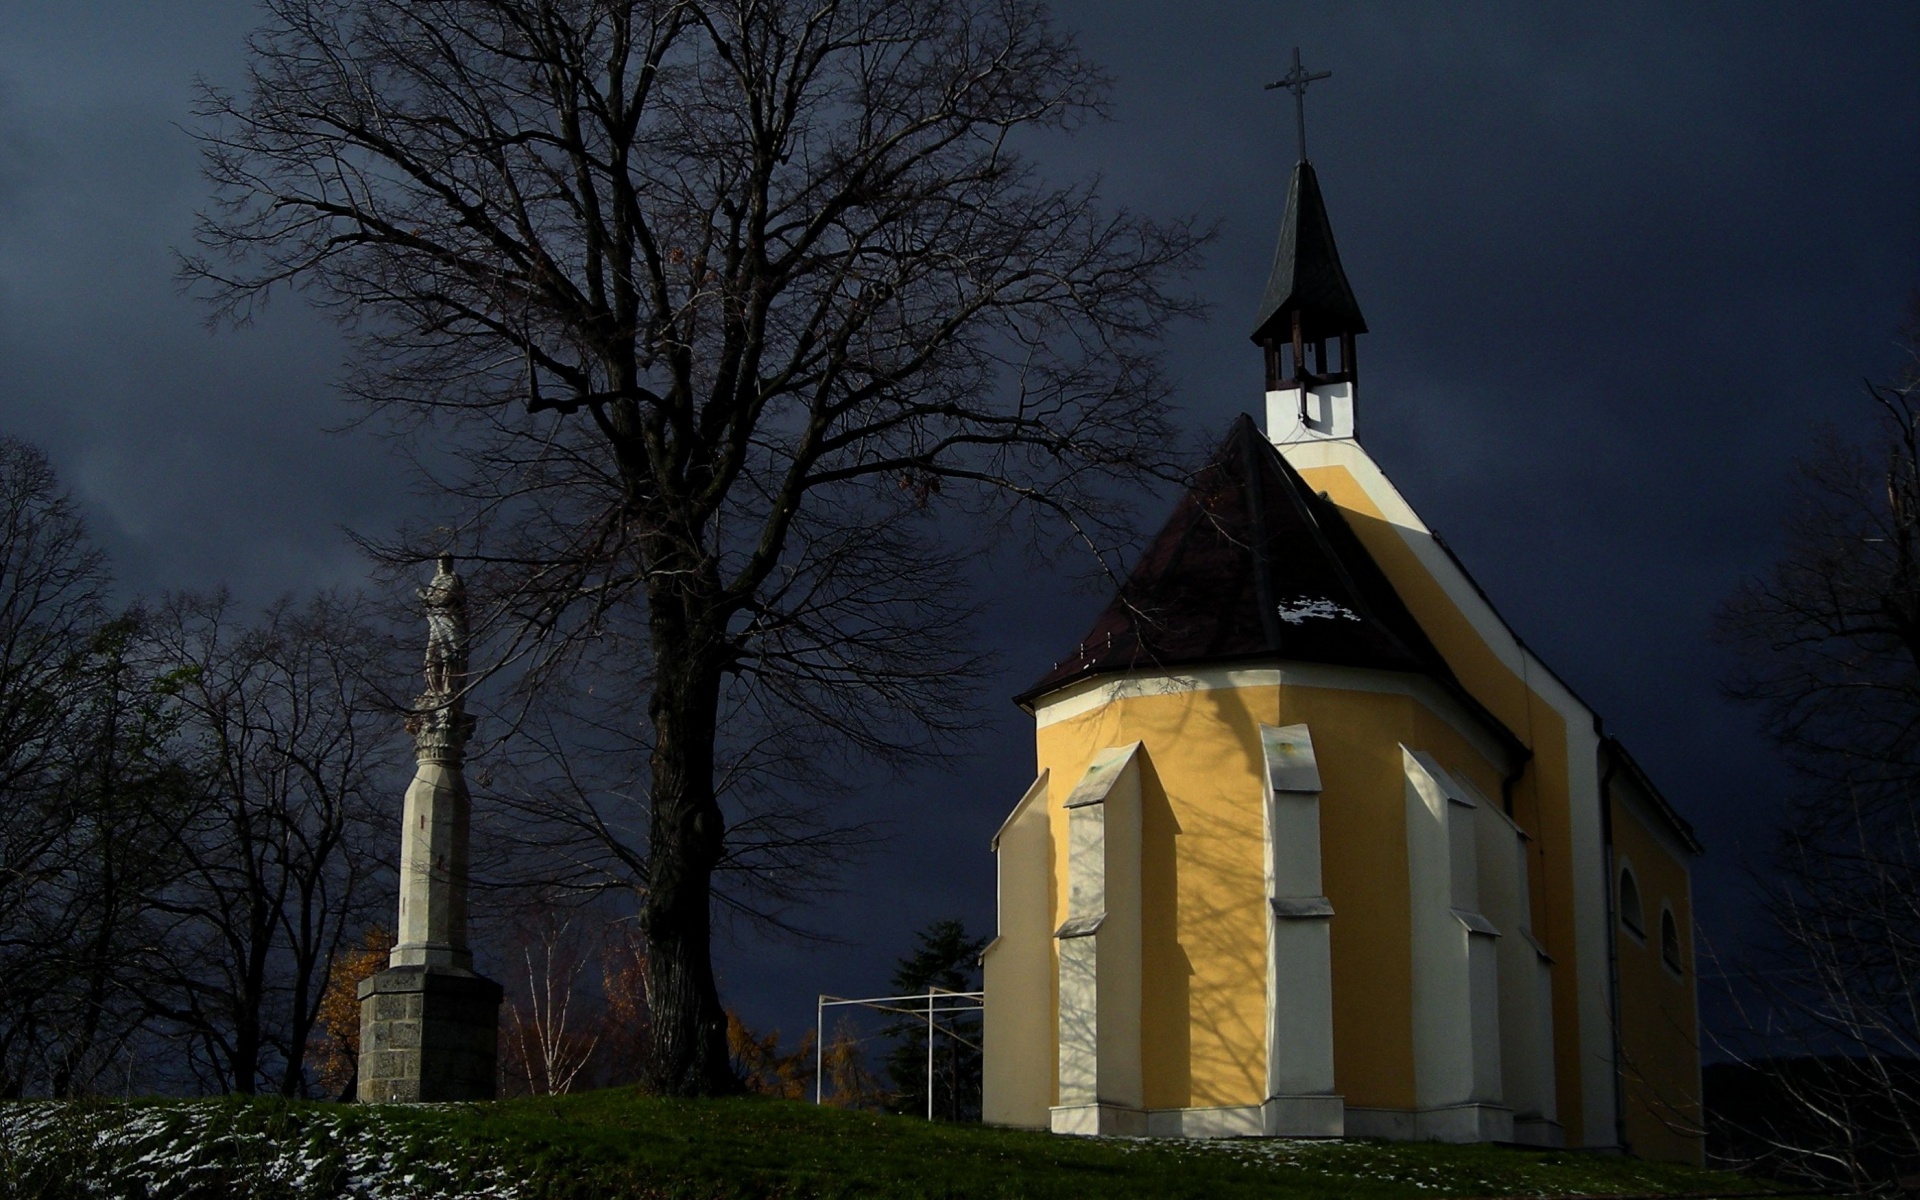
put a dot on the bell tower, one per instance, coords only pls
(1308, 319)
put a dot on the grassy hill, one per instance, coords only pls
(617, 1143)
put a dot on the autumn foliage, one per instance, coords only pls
(761, 1066)
(336, 1040)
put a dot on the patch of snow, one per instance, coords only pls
(174, 1149)
(1303, 609)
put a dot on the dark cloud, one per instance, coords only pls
(200, 454)
(1619, 262)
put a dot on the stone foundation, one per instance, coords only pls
(427, 1034)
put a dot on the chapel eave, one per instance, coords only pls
(1514, 751)
(1619, 758)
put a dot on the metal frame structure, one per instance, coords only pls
(889, 1004)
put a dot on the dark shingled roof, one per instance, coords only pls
(1307, 275)
(1255, 565)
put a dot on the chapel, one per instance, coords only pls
(1317, 846)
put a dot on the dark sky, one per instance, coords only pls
(1619, 262)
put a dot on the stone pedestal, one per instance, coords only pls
(426, 1034)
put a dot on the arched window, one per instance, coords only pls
(1669, 939)
(1630, 911)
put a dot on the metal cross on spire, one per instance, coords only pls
(1296, 81)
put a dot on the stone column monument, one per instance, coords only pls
(429, 1026)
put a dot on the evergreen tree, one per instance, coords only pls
(946, 960)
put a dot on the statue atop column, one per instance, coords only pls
(445, 598)
(428, 1024)
(439, 723)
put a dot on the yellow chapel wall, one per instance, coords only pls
(1020, 1076)
(1203, 1020)
(1202, 756)
(1659, 1030)
(1542, 796)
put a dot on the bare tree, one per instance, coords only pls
(563, 807)
(52, 600)
(1831, 655)
(290, 755)
(117, 790)
(717, 318)
(575, 1002)
(183, 799)
(76, 734)
(551, 1037)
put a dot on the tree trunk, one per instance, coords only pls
(689, 1052)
